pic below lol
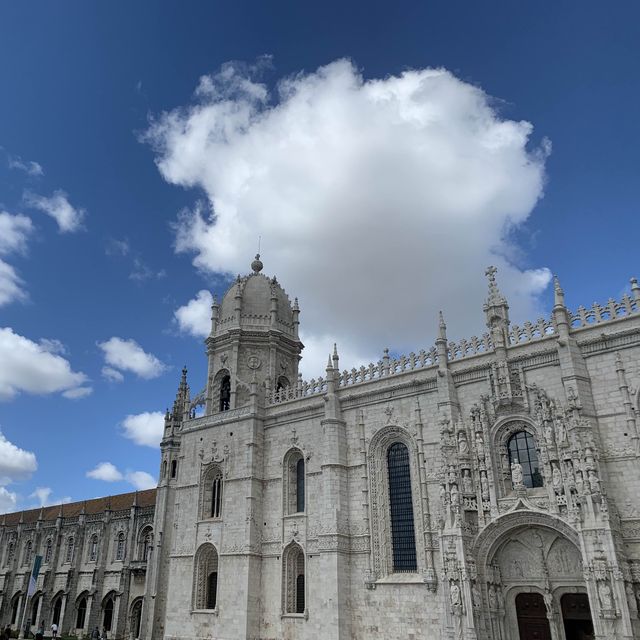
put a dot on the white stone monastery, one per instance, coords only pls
(487, 489)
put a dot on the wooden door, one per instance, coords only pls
(532, 617)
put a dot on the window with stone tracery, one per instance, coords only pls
(28, 552)
(522, 450)
(93, 548)
(48, 550)
(145, 543)
(205, 588)
(70, 547)
(10, 551)
(120, 546)
(293, 580)
(212, 492)
(294, 482)
(396, 504)
(225, 393)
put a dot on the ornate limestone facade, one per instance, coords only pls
(481, 490)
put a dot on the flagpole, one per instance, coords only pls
(31, 589)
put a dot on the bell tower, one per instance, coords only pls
(254, 337)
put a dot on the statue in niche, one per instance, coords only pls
(499, 597)
(516, 474)
(477, 598)
(594, 482)
(480, 446)
(455, 595)
(484, 485)
(579, 483)
(493, 599)
(548, 432)
(463, 444)
(556, 479)
(467, 485)
(604, 593)
(455, 496)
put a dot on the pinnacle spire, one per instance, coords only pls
(558, 293)
(442, 327)
(494, 297)
(635, 289)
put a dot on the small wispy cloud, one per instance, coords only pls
(30, 167)
(69, 218)
(108, 472)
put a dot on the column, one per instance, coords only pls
(116, 610)
(87, 617)
(63, 606)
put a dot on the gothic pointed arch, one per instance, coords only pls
(211, 491)
(396, 503)
(294, 481)
(205, 574)
(294, 587)
(221, 390)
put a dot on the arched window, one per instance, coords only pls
(81, 613)
(10, 551)
(293, 579)
(164, 469)
(174, 468)
(120, 546)
(212, 492)
(225, 393)
(522, 449)
(70, 547)
(48, 550)
(107, 614)
(205, 592)
(35, 601)
(28, 552)
(145, 543)
(403, 537)
(136, 617)
(57, 610)
(294, 482)
(93, 548)
(14, 608)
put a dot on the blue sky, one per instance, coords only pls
(101, 251)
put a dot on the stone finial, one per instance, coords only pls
(442, 327)
(494, 297)
(335, 357)
(635, 289)
(257, 265)
(296, 306)
(558, 293)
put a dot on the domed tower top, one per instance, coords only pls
(256, 303)
(254, 334)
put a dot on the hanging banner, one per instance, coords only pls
(33, 578)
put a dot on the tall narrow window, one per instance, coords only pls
(205, 593)
(81, 613)
(174, 468)
(216, 495)
(403, 537)
(57, 610)
(522, 449)
(93, 548)
(120, 542)
(70, 546)
(293, 579)
(300, 485)
(34, 610)
(10, 552)
(145, 543)
(293, 482)
(225, 393)
(48, 550)
(28, 548)
(14, 608)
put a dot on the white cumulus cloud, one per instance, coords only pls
(144, 428)
(8, 500)
(195, 316)
(127, 355)
(29, 367)
(14, 232)
(105, 471)
(68, 217)
(141, 480)
(15, 463)
(378, 201)
(108, 472)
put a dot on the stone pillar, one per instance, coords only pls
(87, 617)
(63, 606)
(116, 611)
